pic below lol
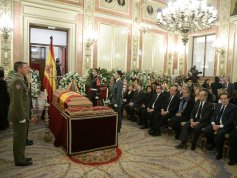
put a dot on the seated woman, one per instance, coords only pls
(129, 93)
(142, 114)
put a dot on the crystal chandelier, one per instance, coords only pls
(186, 16)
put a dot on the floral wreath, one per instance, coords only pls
(67, 79)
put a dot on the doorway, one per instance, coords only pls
(39, 47)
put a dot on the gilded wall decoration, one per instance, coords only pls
(6, 56)
(224, 19)
(119, 8)
(72, 2)
(88, 29)
(117, 5)
(150, 10)
(233, 7)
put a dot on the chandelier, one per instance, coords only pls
(186, 16)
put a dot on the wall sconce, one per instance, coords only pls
(144, 27)
(89, 42)
(6, 26)
(90, 39)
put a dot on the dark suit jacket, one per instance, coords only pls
(173, 107)
(138, 98)
(127, 96)
(215, 86)
(147, 98)
(230, 89)
(158, 103)
(188, 109)
(206, 113)
(117, 93)
(227, 117)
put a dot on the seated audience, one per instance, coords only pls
(4, 102)
(229, 87)
(221, 124)
(154, 110)
(184, 112)
(179, 91)
(233, 145)
(215, 86)
(197, 90)
(207, 84)
(129, 93)
(136, 103)
(170, 107)
(200, 118)
(147, 98)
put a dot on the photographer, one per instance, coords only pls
(193, 74)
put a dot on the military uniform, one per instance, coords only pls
(18, 115)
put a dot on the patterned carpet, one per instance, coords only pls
(142, 156)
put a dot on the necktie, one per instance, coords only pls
(184, 101)
(198, 115)
(219, 116)
(170, 99)
(153, 105)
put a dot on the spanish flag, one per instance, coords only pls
(50, 72)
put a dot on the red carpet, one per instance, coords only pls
(97, 158)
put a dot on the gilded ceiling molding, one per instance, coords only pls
(6, 46)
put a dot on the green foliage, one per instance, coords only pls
(104, 76)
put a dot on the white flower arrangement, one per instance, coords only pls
(67, 79)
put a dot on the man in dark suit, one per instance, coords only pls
(222, 122)
(233, 145)
(184, 112)
(117, 97)
(153, 108)
(169, 108)
(200, 118)
(136, 102)
(229, 87)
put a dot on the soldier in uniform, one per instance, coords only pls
(19, 113)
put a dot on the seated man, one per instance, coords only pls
(135, 103)
(200, 118)
(153, 109)
(233, 145)
(184, 112)
(143, 111)
(222, 122)
(170, 107)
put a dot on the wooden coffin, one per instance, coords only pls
(67, 99)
